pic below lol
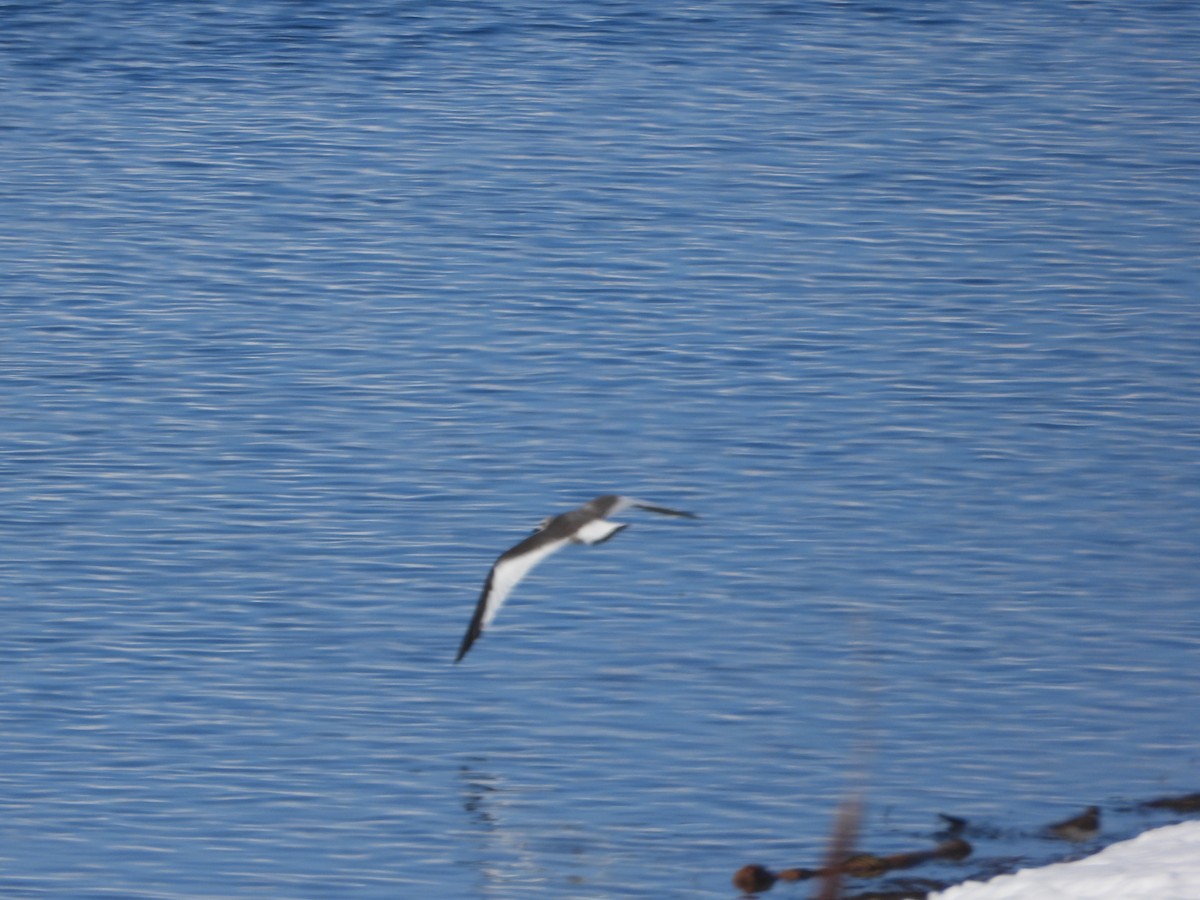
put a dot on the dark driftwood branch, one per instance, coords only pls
(755, 879)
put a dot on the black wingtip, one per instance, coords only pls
(475, 629)
(468, 640)
(666, 511)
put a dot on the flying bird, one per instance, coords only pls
(586, 525)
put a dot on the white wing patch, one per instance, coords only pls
(508, 573)
(596, 530)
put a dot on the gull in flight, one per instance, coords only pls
(585, 525)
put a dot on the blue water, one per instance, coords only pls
(312, 309)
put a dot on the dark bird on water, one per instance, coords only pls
(1082, 827)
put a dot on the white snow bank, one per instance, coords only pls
(1163, 864)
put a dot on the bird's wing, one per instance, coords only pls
(623, 503)
(509, 569)
(597, 531)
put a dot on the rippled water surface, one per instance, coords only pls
(311, 310)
